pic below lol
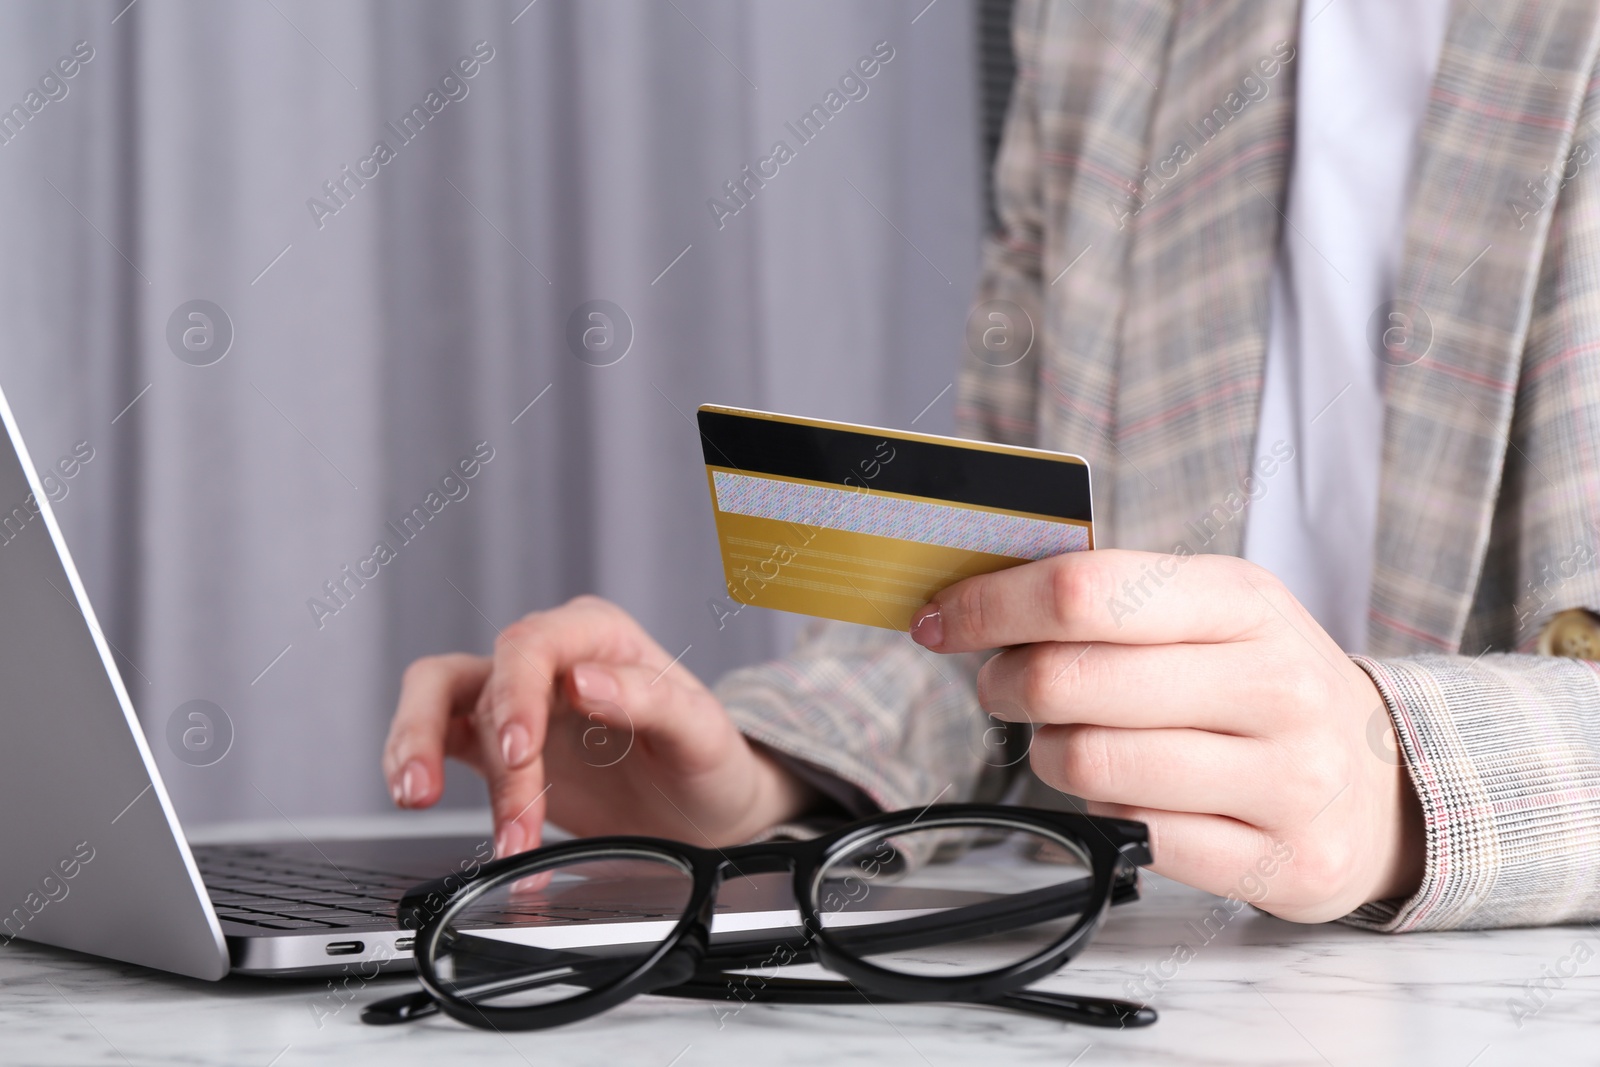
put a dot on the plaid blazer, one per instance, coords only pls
(1141, 187)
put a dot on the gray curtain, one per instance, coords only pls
(402, 328)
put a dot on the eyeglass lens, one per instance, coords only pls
(557, 933)
(953, 900)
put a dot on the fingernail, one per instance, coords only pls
(508, 840)
(413, 784)
(594, 683)
(927, 628)
(515, 744)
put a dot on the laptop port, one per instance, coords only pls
(343, 948)
(403, 944)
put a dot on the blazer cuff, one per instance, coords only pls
(851, 779)
(1493, 750)
(842, 800)
(866, 717)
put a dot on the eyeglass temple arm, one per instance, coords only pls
(676, 967)
(1103, 1012)
(405, 1008)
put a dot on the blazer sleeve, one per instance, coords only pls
(870, 718)
(1504, 752)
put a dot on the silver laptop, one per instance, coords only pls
(92, 856)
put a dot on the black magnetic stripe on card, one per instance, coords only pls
(973, 476)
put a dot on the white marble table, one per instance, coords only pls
(1261, 991)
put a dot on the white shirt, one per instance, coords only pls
(1365, 69)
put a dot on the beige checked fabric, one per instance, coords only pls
(1141, 184)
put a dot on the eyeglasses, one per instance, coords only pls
(965, 902)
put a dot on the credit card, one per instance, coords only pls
(864, 525)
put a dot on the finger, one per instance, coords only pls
(513, 716)
(529, 656)
(1104, 595)
(1173, 770)
(1210, 687)
(605, 713)
(518, 802)
(1219, 855)
(516, 793)
(461, 742)
(433, 690)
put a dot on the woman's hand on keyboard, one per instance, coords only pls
(581, 717)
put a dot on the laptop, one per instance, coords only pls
(92, 855)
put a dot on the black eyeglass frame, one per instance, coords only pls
(1116, 848)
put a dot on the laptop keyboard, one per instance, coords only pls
(295, 888)
(275, 890)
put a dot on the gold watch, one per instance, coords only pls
(1574, 633)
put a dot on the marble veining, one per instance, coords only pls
(1253, 990)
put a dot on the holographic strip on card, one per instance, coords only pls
(859, 511)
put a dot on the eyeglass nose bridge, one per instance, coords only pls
(771, 858)
(744, 862)
(767, 857)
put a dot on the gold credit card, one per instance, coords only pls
(864, 525)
